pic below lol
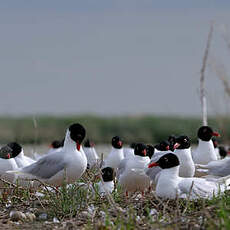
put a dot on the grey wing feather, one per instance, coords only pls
(121, 167)
(152, 172)
(46, 167)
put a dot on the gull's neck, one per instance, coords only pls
(69, 144)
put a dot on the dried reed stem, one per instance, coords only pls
(202, 78)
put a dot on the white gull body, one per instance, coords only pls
(105, 187)
(6, 165)
(187, 167)
(114, 158)
(217, 168)
(217, 151)
(204, 152)
(22, 160)
(170, 185)
(132, 174)
(128, 152)
(68, 164)
(91, 155)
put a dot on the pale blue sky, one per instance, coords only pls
(109, 57)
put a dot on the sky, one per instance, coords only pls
(120, 57)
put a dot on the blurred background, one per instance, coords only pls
(124, 67)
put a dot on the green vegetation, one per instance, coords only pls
(148, 128)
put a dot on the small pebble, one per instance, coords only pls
(17, 215)
(86, 214)
(43, 216)
(30, 216)
(153, 212)
(55, 220)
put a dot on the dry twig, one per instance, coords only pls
(202, 78)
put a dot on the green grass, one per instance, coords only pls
(148, 128)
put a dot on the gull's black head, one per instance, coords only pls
(88, 144)
(205, 133)
(116, 142)
(56, 144)
(183, 141)
(77, 133)
(172, 141)
(132, 145)
(222, 151)
(167, 161)
(162, 146)
(16, 148)
(107, 174)
(140, 150)
(150, 151)
(6, 152)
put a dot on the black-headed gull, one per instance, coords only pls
(7, 163)
(91, 154)
(159, 150)
(150, 150)
(68, 164)
(172, 141)
(18, 155)
(223, 152)
(216, 148)
(205, 151)
(131, 172)
(170, 185)
(116, 155)
(107, 185)
(56, 146)
(183, 152)
(5, 152)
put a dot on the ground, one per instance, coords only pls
(81, 207)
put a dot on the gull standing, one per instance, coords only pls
(116, 155)
(205, 151)
(68, 164)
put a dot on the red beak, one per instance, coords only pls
(119, 143)
(176, 145)
(8, 156)
(144, 152)
(78, 146)
(154, 164)
(216, 134)
(167, 148)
